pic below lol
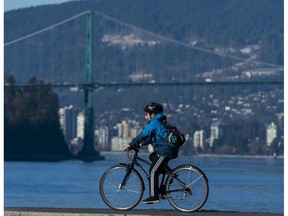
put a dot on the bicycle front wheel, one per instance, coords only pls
(189, 190)
(121, 187)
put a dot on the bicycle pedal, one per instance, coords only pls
(164, 197)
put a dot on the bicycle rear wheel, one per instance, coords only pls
(116, 195)
(189, 191)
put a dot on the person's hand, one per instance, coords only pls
(128, 148)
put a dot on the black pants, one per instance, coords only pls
(158, 165)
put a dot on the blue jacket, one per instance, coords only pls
(155, 134)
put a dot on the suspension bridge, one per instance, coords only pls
(92, 51)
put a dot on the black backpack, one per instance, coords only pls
(175, 137)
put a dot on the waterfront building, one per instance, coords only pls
(217, 131)
(102, 135)
(80, 125)
(68, 122)
(271, 133)
(199, 139)
(127, 130)
(214, 133)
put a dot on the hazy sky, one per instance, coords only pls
(16, 4)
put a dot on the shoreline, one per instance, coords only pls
(107, 153)
(104, 153)
(243, 156)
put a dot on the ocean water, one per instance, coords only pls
(245, 184)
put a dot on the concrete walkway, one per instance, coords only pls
(109, 212)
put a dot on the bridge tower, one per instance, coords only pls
(88, 152)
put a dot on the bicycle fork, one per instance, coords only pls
(129, 169)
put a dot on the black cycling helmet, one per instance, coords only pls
(153, 108)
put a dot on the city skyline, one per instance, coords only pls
(116, 137)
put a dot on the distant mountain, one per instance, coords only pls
(221, 23)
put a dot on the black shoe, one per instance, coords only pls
(151, 200)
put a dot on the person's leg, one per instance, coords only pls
(153, 157)
(154, 178)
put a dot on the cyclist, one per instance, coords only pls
(155, 133)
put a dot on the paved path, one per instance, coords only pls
(109, 212)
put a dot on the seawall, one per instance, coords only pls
(109, 212)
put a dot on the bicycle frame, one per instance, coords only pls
(134, 161)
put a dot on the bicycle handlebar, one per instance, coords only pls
(130, 156)
(136, 149)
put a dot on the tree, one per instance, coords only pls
(31, 123)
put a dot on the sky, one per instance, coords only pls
(17, 4)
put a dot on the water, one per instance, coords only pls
(236, 183)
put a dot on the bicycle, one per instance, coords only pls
(122, 187)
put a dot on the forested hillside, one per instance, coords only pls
(213, 23)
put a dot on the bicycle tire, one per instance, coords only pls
(189, 191)
(124, 198)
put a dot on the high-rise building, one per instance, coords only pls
(217, 131)
(103, 135)
(280, 124)
(199, 139)
(80, 125)
(68, 121)
(271, 133)
(127, 130)
(214, 133)
(120, 129)
(135, 131)
(119, 143)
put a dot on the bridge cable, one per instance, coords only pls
(45, 29)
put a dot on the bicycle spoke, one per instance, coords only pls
(113, 185)
(111, 193)
(200, 177)
(133, 191)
